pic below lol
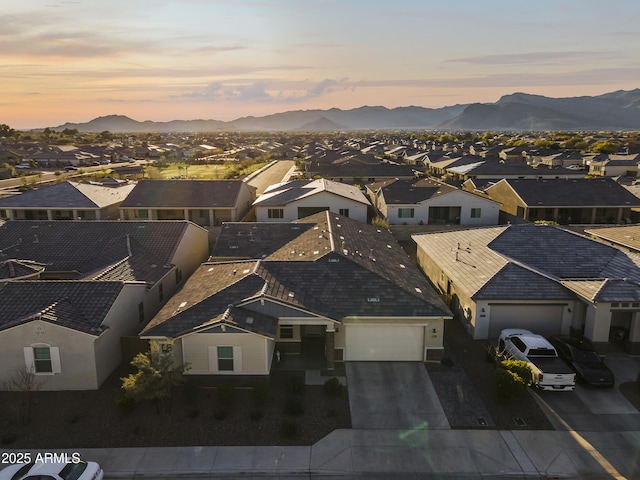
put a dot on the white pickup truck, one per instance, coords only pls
(548, 371)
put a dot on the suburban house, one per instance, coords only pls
(148, 261)
(333, 282)
(614, 165)
(623, 237)
(584, 200)
(67, 201)
(204, 202)
(355, 169)
(538, 277)
(68, 332)
(290, 201)
(430, 202)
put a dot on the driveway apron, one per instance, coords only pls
(394, 396)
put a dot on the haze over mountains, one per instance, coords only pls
(618, 110)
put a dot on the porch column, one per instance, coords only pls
(593, 215)
(330, 343)
(619, 219)
(186, 214)
(150, 214)
(74, 215)
(212, 218)
(49, 215)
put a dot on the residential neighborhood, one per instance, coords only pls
(371, 250)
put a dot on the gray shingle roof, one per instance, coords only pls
(74, 304)
(184, 194)
(410, 191)
(576, 192)
(533, 261)
(94, 248)
(355, 270)
(288, 192)
(68, 195)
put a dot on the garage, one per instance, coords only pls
(542, 319)
(384, 342)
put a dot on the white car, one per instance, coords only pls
(53, 471)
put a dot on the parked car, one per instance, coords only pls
(580, 355)
(51, 470)
(71, 169)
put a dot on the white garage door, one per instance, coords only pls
(542, 319)
(384, 342)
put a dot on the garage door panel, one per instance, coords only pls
(384, 343)
(542, 319)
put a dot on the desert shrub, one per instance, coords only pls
(261, 392)
(225, 393)
(520, 368)
(295, 383)
(125, 403)
(293, 406)
(508, 384)
(289, 428)
(333, 387)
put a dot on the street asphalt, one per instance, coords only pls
(419, 445)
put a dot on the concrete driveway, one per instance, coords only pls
(394, 396)
(592, 409)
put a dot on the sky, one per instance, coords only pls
(75, 60)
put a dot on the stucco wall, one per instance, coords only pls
(357, 210)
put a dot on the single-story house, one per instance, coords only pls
(577, 200)
(340, 282)
(430, 202)
(539, 277)
(67, 201)
(204, 202)
(68, 332)
(289, 201)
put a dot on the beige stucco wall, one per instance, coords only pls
(256, 353)
(357, 210)
(77, 359)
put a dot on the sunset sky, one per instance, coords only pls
(224, 59)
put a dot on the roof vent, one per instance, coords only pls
(334, 260)
(373, 299)
(249, 321)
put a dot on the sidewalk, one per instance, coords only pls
(406, 453)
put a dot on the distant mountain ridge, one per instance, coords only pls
(618, 110)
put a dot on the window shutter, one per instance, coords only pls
(55, 360)
(28, 359)
(213, 359)
(237, 359)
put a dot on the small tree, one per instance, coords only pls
(26, 381)
(157, 375)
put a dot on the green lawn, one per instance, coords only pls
(205, 172)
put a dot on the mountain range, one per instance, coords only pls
(618, 110)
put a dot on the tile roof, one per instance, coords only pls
(68, 195)
(137, 250)
(12, 269)
(185, 194)
(284, 193)
(351, 269)
(626, 236)
(78, 305)
(587, 192)
(410, 191)
(532, 261)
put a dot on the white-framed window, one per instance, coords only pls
(344, 212)
(275, 213)
(476, 212)
(160, 292)
(225, 358)
(285, 331)
(42, 359)
(406, 212)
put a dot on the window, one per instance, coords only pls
(42, 360)
(160, 292)
(178, 275)
(225, 359)
(286, 331)
(475, 212)
(275, 213)
(344, 211)
(405, 212)
(141, 312)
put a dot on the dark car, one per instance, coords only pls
(580, 355)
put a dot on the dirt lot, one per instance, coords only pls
(197, 417)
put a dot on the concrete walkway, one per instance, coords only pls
(393, 395)
(416, 453)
